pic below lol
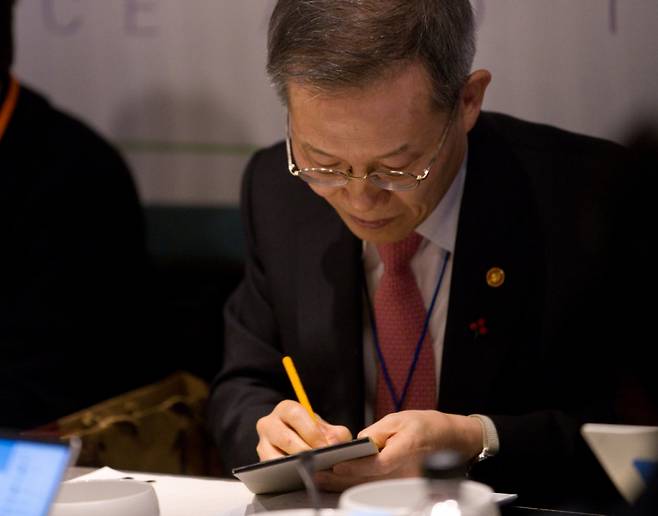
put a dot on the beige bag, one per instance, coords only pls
(158, 428)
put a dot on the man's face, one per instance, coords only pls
(392, 124)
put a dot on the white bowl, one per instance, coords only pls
(106, 498)
(400, 497)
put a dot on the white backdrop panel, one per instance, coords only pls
(180, 85)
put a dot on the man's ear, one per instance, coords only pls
(472, 97)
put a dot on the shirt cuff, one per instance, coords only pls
(490, 442)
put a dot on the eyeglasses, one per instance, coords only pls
(393, 180)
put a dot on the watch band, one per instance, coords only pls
(490, 442)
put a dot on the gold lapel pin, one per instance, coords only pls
(495, 277)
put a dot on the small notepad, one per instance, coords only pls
(281, 474)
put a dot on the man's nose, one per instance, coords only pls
(363, 195)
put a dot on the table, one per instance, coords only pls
(202, 496)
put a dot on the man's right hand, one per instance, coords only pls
(289, 429)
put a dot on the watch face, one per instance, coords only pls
(484, 454)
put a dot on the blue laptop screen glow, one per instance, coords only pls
(30, 473)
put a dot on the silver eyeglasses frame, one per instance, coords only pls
(342, 177)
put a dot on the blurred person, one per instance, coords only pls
(73, 262)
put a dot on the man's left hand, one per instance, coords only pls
(404, 438)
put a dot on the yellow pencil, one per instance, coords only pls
(297, 386)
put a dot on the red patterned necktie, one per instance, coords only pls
(399, 315)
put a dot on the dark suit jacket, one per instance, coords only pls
(540, 203)
(72, 260)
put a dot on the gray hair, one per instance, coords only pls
(335, 44)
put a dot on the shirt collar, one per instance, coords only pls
(440, 227)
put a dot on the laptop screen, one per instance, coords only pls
(31, 470)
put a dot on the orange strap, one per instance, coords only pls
(7, 108)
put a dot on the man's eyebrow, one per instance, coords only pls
(308, 146)
(400, 150)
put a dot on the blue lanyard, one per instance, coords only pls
(399, 403)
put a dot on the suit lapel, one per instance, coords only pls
(329, 311)
(486, 325)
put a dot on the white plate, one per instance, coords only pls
(106, 498)
(504, 498)
(398, 497)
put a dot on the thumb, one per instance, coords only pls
(380, 432)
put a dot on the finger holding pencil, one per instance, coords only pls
(333, 433)
(287, 429)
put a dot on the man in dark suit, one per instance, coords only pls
(72, 261)
(511, 231)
